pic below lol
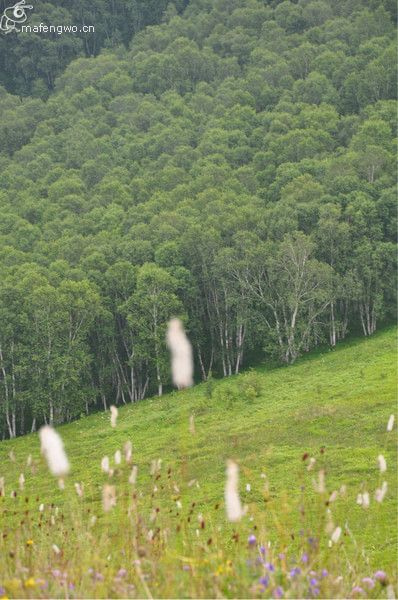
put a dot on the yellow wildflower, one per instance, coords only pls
(30, 583)
(29, 542)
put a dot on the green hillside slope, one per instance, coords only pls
(333, 405)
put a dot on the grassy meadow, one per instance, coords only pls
(168, 536)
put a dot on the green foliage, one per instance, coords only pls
(232, 164)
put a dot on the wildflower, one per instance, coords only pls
(251, 540)
(333, 496)
(155, 466)
(262, 550)
(295, 571)
(128, 451)
(192, 425)
(304, 558)
(270, 567)
(382, 463)
(357, 590)
(365, 500)
(264, 581)
(108, 497)
(232, 500)
(369, 582)
(336, 535)
(122, 573)
(105, 464)
(324, 573)
(56, 573)
(118, 457)
(53, 450)
(21, 481)
(56, 549)
(30, 583)
(313, 581)
(79, 489)
(381, 492)
(311, 463)
(114, 414)
(133, 475)
(278, 592)
(41, 508)
(320, 484)
(248, 487)
(29, 543)
(181, 354)
(390, 423)
(381, 576)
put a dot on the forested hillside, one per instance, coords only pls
(234, 166)
(30, 63)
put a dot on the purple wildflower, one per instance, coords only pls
(98, 577)
(251, 540)
(186, 568)
(295, 571)
(262, 549)
(122, 573)
(270, 567)
(278, 592)
(2, 591)
(324, 572)
(357, 590)
(313, 581)
(264, 581)
(304, 558)
(71, 586)
(369, 582)
(56, 573)
(380, 576)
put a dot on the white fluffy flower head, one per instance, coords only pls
(52, 449)
(181, 354)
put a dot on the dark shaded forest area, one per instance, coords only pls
(233, 165)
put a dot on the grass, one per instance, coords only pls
(169, 531)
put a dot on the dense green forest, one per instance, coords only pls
(233, 165)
